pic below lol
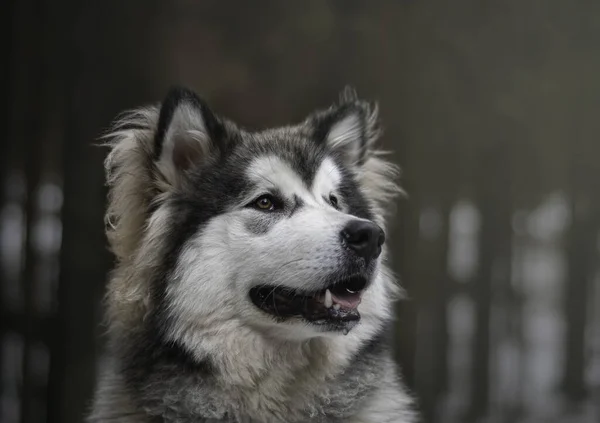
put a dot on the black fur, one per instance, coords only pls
(216, 187)
(175, 97)
(165, 380)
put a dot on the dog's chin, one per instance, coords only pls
(331, 309)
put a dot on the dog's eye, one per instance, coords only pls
(266, 203)
(333, 200)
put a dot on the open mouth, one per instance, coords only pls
(336, 305)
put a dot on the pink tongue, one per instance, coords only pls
(347, 301)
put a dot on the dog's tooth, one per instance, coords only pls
(328, 299)
(336, 306)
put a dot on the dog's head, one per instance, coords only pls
(280, 230)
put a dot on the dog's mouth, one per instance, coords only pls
(335, 306)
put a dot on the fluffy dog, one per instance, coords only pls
(250, 283)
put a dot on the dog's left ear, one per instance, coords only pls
(188, 133)
(349, 128)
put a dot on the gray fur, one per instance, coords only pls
(185, 342)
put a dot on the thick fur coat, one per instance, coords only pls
(228, 250)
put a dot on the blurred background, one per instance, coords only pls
(492, 108)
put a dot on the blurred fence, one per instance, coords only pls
(491, 108)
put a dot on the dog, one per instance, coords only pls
(250, 283)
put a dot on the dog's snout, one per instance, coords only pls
(364, 238)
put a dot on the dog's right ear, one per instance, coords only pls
(187, 134)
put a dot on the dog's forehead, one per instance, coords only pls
(272, 171)
(293, 144)
(289, 160)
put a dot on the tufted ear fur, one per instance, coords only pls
(348, 128)
(187, 134)
(351, 129)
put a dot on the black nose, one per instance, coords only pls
(364, 238)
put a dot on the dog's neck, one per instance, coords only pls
(204, 374)
(245, 357)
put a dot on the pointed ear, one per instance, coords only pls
(349, 128)
(188, 133)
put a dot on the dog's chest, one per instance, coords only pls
(332, 402)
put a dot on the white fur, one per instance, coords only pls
(327, 179)
(267, 372)
(185, 137)
(345, 136)
(209, 291)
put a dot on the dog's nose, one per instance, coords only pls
(364, 238)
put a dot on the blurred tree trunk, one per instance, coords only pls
(82, 268)
(448, 194)
(7, 8)
(482, 292)
(493, 199)
(33, 160)
(434, 288)
(441, 304)
(582, 238)
(432, 295)
(26, 137)
(404, 247)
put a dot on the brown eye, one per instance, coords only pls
(333, 200)
(265, 202)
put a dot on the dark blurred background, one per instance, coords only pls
(492, 108)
